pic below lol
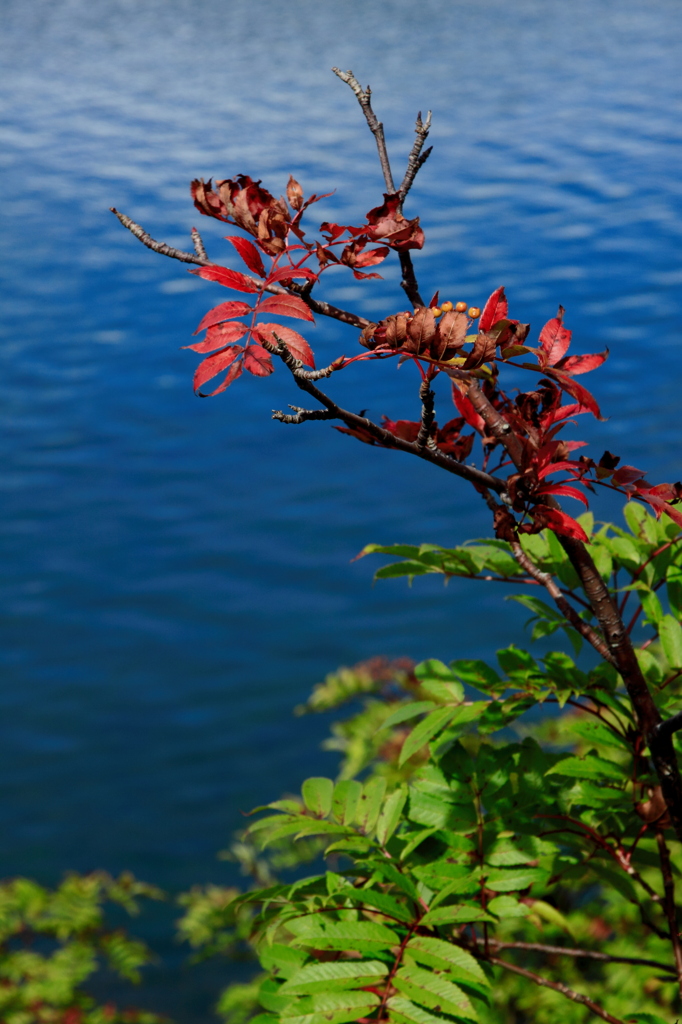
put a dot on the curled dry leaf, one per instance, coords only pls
(387, 223)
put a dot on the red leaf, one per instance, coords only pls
(372, 257)
(286, 305)
(214, 364)
(219, 335)
(562, 523)
(495, 309)
(406, 430)
(582, 364)
(359, 276)
(659, 505)
(554, 339)
(575, 390)
(561, 491)
(225, 311)
(562, 413)
(556, 467)
(434, 301)
(282, 273)
(249, 253)
(228, 278)
(231, 375)
(626, 475)
(296, 344)
(466, 409)
(257, 361)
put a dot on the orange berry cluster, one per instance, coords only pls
(460, 307)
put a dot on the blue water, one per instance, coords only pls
(176, 572)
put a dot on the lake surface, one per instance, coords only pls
(176, 573)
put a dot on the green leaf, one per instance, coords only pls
(434, 671)
(321, 977)
(342, 935)
(589, 767)
(673, 580)
(401, 550)
(330, 1008)
(371, 898)
(513, 880)
(403, 1011)
(465, 913)
(434, 992)
(434, 723)
(670, 633)
(317, 795)
(407, 711)
(415, 840)
(345, 800)
(389, 818)
(550, 914)
(476, 673)
(369, 804)
(445, 955)
(388, 572)
(507, 908)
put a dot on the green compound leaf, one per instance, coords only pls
(670, 632)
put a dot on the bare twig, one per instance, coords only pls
(557, 986)
(316, 305)
(415, 161)
(199, 247)
(302, 415)
(377, 433)
(364, 98)
(162, 247)
(562, 604)
(416, 157)
(428, 414)
(539, 947)
(669, 902)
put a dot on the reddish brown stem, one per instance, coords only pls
(557, 986)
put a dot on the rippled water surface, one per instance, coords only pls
(176, 573)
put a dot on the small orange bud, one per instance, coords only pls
(474, 312)
(461, 307)
(437, 311)
(446, 306)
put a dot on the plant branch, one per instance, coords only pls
(200, 258)
(302, 415)
(615, 635)
(427, 396)
(161, 247)
(669, 902)
(557, 986)
(364, 98)
(416, 158)
(562, 604)
(379, 434)
(539, 947)
(199, 246)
